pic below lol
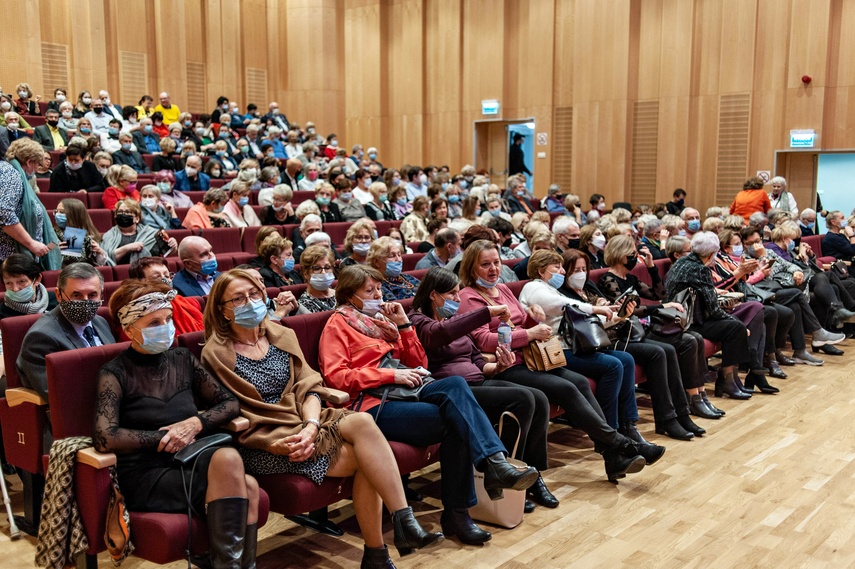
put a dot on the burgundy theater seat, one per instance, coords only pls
(51, 200)
(223, 240)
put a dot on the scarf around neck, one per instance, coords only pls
(377, 328)
(37, 306)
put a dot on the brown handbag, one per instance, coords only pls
(544, 356)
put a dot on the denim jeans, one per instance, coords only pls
(448, 413)
(614, 373)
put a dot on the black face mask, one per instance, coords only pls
(631, 262)
(507, 242)
(572, 243)
(53, 123)
(124, 220)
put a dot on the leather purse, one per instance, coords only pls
(670, 321)
(117, 527)
(544, 356)
(583, 332)
(758, 294)
(194, 449)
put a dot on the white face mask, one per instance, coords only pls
(5, 105)
(150, 203)
(599, 242)
(577, 280)
(60, 97)
(66, 114)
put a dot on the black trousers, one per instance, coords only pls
(572, 392)
(805, 320)
(691, 356)
(664, 382)
(731, 333)
(778, 319)
(529, 405)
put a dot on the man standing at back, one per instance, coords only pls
(71, 325)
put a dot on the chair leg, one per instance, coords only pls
(34, 489)
(319, 521)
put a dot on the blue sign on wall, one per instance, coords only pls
(802, 138)
(489, 107)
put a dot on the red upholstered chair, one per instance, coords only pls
(248, 238)
(43, 184)
(102, 219)
(218, 182)
(95, 200)
(337, 231)
(417, 273)
(243, 258)
(223, 240)
(195, 196)
(510, 262)
(157, 537)
(301, 196)
(410, 261)
(51, 200)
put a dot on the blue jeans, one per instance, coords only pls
(448, 413)
(614, 372)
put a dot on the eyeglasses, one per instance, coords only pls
(239, 301)
(362, 239)
(316, 269)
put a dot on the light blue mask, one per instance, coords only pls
(323, 201)
(288, 265)
(556, 280)
(448, 309)
(738, 250)
(394, 268)
(208, 267)
(495, 212)
(402, 201)
(61, 220)
(322, 281)
(486, 284)
(791, 246)
(251, 314)
(453, 198)
(383, 198)
(694, 225)
(158, 339)
(242, 202)
(24, 295)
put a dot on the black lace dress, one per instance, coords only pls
(138, 394)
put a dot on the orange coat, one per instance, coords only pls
(349, 359)
(747, 202)
(197, 218)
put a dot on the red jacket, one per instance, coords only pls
(112, 196)
(349, 359)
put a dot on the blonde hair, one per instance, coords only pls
(217, 326)
(352, 232)
(380, 250)
(470, 258)
(618, 247)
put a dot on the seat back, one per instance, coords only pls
(516, 287)
(337, 231)
(51, 200)
(223, 239)
(815, 242)
(411, 260)
(13, 330)
(308, 328)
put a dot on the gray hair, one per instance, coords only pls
(714, 211)
(316, 237)
(676, 244)
(562, 223)
(758, 219)
(311, 218)
(80, 271)
(806, 212)
(705, 244)
(779, 180)
(652, 225)
(553, 188)
(283, 191)
(306, 208)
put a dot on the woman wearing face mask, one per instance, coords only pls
(311, 179)
(147, 412)
(66, 118)
(397, 236)
(386, 257)
(350, 207)
(84, 104)
(357, 243)
(290, 432)
(25, 293)
(157, 213)
(72, 212)
(278, 269)
(280, 211)
(228, 165)
(414, 226)
(398, 198)
(122, 183)
(592, 242)
(362, 190)
(359, 335)
(166, 160)
(25, 104)
(59, 97)
(165, 182)
(317, 266)
(238, 211)
(209, 212)
(249, 172)
(332, 146)
(379, 208)
(330, 212)
(127, 241)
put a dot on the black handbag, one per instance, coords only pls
(584, 333)
(194, 449)
(840, 268)
(670, 321)
(392, 391)
(759, 295)
(630, 331)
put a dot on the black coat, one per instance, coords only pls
(87, 178)
(516, 161)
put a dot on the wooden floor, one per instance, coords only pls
(771, 485)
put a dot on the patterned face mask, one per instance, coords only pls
(79, 311)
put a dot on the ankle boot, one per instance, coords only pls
(409, 535)
(250, 542)
(774, 369)
(649, 452)
(727, 386)
(619, 462)
(540, 494)
(500, 474)
(226, 531)
(710, 405)
(760, 381)
(629, 429)
(673, 429)
(376, 558)
(687, 423)
(457, 522)
(756, 364)
(700, 408)
(783, 359)
(739, 383)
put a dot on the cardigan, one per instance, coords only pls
(486, 336)
(146, 235)
(450, 350)
(271, 422)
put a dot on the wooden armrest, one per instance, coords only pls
(95, 459)
(18, 395)
(237, 425)
(826, 266)
(337, 397)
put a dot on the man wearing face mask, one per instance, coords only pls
(692, 217)
(128, 155)
(191, 178)
(200, 267)
(254, 142)
(16, 128)
(517, 197)
(807, 222)
(446, 247)
(372, 156)
(275, 117)
(75, 174)
(50, 135)
(416, 184)
(100, 120)
(567, 233)
(145, 139)
(677, 203)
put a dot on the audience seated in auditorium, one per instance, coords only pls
(386, 256)
(200, 267)
(122, 184)
(72, 212)
(207, 213)
(129, 240)
(156, 212)
(51, 135)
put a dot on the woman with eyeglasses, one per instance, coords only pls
(317, 267)
(385, 256)
(278, 269)
(289, 430)
(357, 243)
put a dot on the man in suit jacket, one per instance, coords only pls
(516, 198)
(4, 141)
(200, 267)
(49, 134)
(145, 139)
(71, 325)
(191, 178)
(128, 156)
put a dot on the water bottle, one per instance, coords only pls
(504, 335)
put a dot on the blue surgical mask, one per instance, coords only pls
(208, 267)
(394, 268)
(372, 156)
(243, 201)
(486, 284)
(158, 339)
(453, 198)
(362, 249)
(810, 225)
(556, 280)
(346, 196)
(462, 184)
(127, 146)
(61, 220)
(147, 128)
(113, 131)
(402, 201)
(288, 265)
(737, 250)
(448, 309)
(383, 198)
(322, 201)
(694, 225)
(844, 223)
(322, 281)
(495, 212)
(791, 245)
(24, 295)
(251, 314)
(370, 306)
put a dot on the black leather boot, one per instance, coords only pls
(753, 379)
(687, 423)
(827, 349)
(784, 359)
(629, 429)
(673, 429)
(619, 464)
(774, 369)
(226, 531)
(727, 386)
(409, 535)
(457, 522)
(500, 474)
(710, 405)
(376, 558)
(699, 408)
(649, 452)
(540, 494)
(250, 543)
(756, 364)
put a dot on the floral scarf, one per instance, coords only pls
(377, 328)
